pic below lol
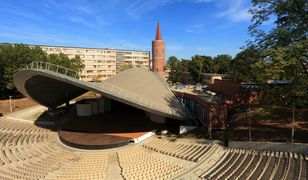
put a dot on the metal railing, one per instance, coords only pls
(53, 67)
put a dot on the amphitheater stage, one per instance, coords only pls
(84, 140)
(106, 130)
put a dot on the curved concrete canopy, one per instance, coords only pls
(136, 87)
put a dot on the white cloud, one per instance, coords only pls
(22, 35)
(16, 12)
(93, 23)
(70, 6)
(139, 7)
(78, 11)
(126, 44)
(202, 1)
(81, 20)
(174, 47)
(196, 28)
(202, 49)
(235, 10)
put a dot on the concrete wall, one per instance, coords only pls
(272, 146)
(107, 104)
(88, 107)
(156, 118)
(225, 86)
(84, 109)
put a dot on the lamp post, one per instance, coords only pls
(210, 128)
(249, 124)
(10, 98)
(246, 109)
(293, 117)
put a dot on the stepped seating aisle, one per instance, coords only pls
(84, 166)
(140, 163)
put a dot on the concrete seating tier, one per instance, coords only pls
(83, 166)
(187, 151)
(47, 158)
(31, 152)
(17, 126)
(19, 140)
(139, 163)
(251, 164)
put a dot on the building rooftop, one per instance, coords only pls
(137, 87)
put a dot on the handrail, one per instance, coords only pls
(52, 67)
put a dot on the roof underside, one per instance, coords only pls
(136, 87)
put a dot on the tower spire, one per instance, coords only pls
(158, 33)
(158, 54)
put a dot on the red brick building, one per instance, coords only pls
(158, 53)
(216, 106)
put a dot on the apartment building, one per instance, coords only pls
(102, 63)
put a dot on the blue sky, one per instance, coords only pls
(189, 27)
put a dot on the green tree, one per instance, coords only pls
(139, 63)
(283, 48)
(184, 65)
(242, 66)
(12, 58)
(175, 71)
(16, 56)
(196, 68)
(63, 60)
(125, 66)
(200, 64)
(222, 64)
(97, 78)
(76, 63)
(208, 64)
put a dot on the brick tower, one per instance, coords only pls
(158, 53)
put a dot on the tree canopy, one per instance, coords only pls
(199, 64)
(177, 67)
(174, 73)
(16, 56)
(125, 66)
(242, 65)
(283, 49)
(222, 64)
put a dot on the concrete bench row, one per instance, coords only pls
(139, 163)
(187, 151)
(251, 164)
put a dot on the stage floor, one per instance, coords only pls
(97, 140)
